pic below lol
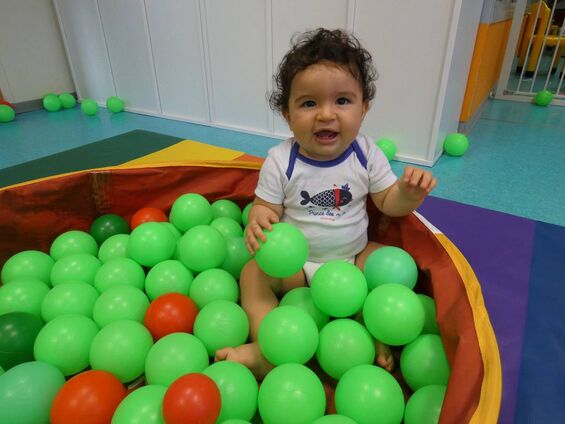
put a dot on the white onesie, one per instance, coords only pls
(326, 199)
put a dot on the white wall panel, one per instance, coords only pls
(290, 17)
(31, 52)
(236, 35)
(212, 61)
(86, 48)
(127, 38)
(407, 40)
(458, 62)
(176, 40)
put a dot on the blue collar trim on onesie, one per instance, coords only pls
(353, 148)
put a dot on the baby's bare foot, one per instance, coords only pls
(249, 355)
(384, 357)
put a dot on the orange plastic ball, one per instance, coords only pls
(90, 397)
(147, 215)
(170, 313)
(192, 399)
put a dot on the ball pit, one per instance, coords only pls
(79, 217)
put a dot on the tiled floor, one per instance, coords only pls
(515, 162)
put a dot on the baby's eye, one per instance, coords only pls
(309, 103)
(343, 101)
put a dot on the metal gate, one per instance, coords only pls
(534, 58)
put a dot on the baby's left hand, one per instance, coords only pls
(416, 183)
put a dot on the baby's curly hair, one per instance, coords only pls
(322, 45)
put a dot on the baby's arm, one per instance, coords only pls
(407, 193)
(261, 216)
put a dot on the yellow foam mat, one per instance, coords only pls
(186, 150)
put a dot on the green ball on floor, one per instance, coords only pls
(7, 114)
(89, 107)
(456, 144)
(388, 147)
(51, 103)
(67, 100)
(115, 104)
(543, 98)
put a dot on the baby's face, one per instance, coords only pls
(325, 110)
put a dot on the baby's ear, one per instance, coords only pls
(366, 107)
(286, 116)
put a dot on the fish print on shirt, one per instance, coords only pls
(332, 198)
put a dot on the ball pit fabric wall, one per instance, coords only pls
(33, 214)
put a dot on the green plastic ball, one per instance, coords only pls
(75, 267)
(73, 241)
(67, 100)
(284, 253)
(543, 98)
(108, 225)
(176, 233)
(114, 247)
(339, 289)
(173, 356)
(18, 331)
(245, 214)
(213, 284)
(456, 144)
(190, 210)
(238, 389)
(143, 405)
(390, 265)
(169, 276)
(344, 344)
(119, 271)
(69, 298)
(89, 107)
(121, 348)
(368, 391)
(302, 298)
(114, 104)
(28, 264)
(119, 303)
(226, 208)
(228, 227)
(65, 342)
(51, 103)
(220, 324)
(388, 147)
(237, 256)
(423, 362)
(291, 393)
(7, 114)
(424, 406)
(150, 243)
(430, 322)
(202, 247)
(24, 295)
(288, 334)
(393, 314)
(27, 392)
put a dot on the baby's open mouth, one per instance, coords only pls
(325, 135)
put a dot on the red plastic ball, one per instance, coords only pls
(192, 399)
(147, 215)
(90, 397)
(7, 103)
(170, 313)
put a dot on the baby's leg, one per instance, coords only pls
(384, 355)
(258, 297)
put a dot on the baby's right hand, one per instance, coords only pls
(260, 218)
